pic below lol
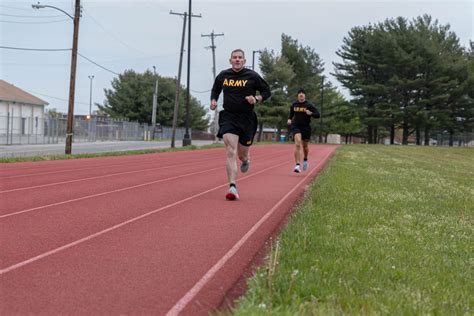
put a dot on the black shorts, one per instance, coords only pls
(243, 125)
(305, 132)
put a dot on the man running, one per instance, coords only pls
(301, 112)
(238, 121)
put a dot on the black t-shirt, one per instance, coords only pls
(238, 85)
(298, 113)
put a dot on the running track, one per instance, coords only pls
(145, 234)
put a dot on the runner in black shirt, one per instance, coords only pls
(301, 112)
(238, 122)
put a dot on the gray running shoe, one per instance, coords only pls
(244, 166)
(305, 164)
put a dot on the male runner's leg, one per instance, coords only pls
(231, 142)
(305, 154)
(297, 137)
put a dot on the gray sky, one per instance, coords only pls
(137, 35)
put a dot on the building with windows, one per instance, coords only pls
(22, 116)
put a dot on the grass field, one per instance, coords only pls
(385, 230)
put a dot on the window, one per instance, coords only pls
(23, 126)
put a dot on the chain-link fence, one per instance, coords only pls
(461, 140)
(19, 130)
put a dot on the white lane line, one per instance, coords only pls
(105, 193)
(95, 166)
(98, 177)
(105, 176)
(79, 241)
(184, 301)
(61, 170)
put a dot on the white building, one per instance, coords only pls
(21, 115)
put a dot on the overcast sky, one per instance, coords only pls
(138, 35)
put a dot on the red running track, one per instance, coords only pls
(145, 234)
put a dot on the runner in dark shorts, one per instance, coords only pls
(301, 112)
(238, 121)
(304, 131)
(242, 124)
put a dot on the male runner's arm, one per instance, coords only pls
(312, 111)
(261, 86)
(292, 113)
(216, 90)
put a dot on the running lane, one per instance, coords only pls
(149, 234)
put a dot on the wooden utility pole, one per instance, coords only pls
(72, 80)
(213, 47)
(178, 81)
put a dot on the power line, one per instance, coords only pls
(15, 8)
(43, 22)
(52, 97)
(97, 64)
(36, 49)
(112, 35)
(141, 58)
(206, 91)
(58, 49)
(32, 16)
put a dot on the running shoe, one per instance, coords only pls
(232, 194)
(244, 166)
(305, 164)
(297, 169)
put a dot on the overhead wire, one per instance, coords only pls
(59, 49)
(98, 65)
(32, 16)
(15, 8)
(111, 34)
(39, 22)
(36, 49)
(53, 97)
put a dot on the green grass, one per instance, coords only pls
(384, 230)
(106, 154)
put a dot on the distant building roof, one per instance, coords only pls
(10, 93)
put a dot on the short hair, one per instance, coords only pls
(238, 50)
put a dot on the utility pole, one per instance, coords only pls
(178, 81)
(90, 96)
(187, 137)
(155, 104)
(213, 47)
(72, 80)
(90, 108)
(321, 113)
(253, 58)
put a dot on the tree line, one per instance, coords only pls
(408, 76)
(131, 97)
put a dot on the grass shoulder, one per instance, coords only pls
(383, 230)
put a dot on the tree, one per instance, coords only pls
(408, 75)
(305, 62)
(296, 67)
(131, 97)
(53, 113)
(278, 73)
(340, 116)
(361, 73)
